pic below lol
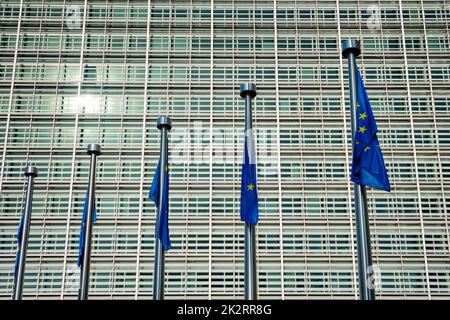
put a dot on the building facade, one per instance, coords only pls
(79, 72)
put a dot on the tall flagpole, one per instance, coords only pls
(164, 124)
(30, 173)
(248, 91)
(351, 50)
(93, 150)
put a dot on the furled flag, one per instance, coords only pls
(162, 226)
(19, 243)
(83, 228)
(249, 190)
(368, 166)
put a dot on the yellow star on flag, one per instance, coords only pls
(357, 104)
(366, 148)
(250, 186)
(357, 142)
(167, 167)
(362, 129)
(363, 116)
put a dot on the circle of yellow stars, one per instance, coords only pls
(362, 129)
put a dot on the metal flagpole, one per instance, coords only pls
(93, 150)
(30, 173)
(351, 50)
(164, 124)
(248, 91)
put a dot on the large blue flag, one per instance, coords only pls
(368, 166)
(162, 226)
(249, 190)
(83, 228)
(19, 242)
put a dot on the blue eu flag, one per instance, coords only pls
(162, 227)
(83, 228)
(368, 166)
(249, 192)
(19, 242)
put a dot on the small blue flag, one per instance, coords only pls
(83, 228)
(162, 226)
(19, 242)
(368, 166)
(249, 190)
